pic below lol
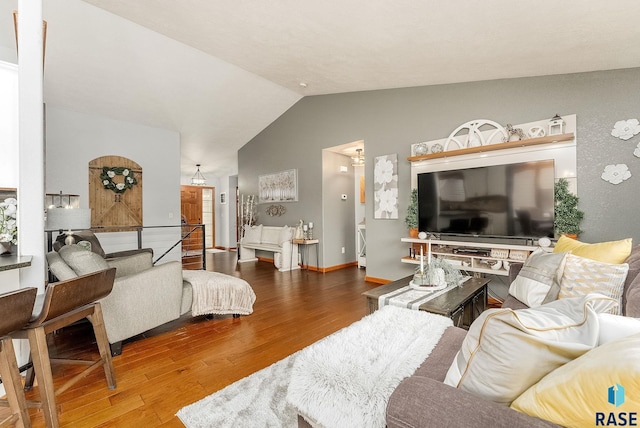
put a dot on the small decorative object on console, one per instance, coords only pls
(499, 253)
(420, 149)
(536, 132)
(511, 132)
(520, 255)
(556, 125)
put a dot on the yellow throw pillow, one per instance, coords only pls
(605, 380)
(608, 252)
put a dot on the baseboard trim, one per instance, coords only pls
(336, 267)
(377, 280)
(315, 268)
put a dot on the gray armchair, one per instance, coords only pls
(143, 296)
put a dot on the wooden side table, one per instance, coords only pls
(461, 304)
(306, 243)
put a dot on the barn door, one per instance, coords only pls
(115, 192)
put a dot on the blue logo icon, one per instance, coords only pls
(616, 395)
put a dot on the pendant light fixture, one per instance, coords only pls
(358, 160)
(198, 179)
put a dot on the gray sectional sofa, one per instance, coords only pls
(423, 400)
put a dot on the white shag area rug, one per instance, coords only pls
(255, 401)
(346, 379)
(342, 380)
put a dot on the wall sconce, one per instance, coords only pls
(198, 179)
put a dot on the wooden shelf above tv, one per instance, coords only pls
(550, 139)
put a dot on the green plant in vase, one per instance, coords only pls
(411, 220)
(568, 217)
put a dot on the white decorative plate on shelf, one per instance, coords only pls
(427, 287)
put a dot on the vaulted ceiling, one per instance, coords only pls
(218, 72)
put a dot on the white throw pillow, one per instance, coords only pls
(252, 234)
(614, 327)
(538, 282)
(582, 276)
(507, 351)
(286, 234)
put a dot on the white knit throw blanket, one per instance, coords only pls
(217, 293)
(346, 379)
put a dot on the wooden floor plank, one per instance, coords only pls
(181, 362)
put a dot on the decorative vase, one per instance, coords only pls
(5, 248)
(413, 232)
(571, 235)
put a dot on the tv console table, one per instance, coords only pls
(481, 257)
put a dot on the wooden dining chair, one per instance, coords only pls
(64, 303)
(16, 308)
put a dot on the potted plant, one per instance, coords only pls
(567, 215)
(411, 220)
(8, 225)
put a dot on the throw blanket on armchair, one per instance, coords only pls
(217, 293)
(346, 379)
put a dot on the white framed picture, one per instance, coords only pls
(385, 187)
(223, 198)
(278, 187)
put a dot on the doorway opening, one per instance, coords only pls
(350, 158)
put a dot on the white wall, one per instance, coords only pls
(73, 139)
(8, 125)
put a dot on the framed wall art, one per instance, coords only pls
(278, 187)
(385, 187)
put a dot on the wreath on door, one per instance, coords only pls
(108, 173)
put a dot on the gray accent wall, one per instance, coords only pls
(338, 217)
(389, 121)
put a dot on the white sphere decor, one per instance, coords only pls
(544, 242)
(422, 235)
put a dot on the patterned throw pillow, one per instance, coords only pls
(582, 276)
(538, 282)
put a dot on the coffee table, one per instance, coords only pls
(461, 304)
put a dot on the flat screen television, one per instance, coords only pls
(511, 200)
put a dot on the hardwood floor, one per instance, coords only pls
(183, 361)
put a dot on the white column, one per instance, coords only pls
(31, 240)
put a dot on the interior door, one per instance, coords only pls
(191, 213)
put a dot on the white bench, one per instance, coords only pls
(269, 238)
